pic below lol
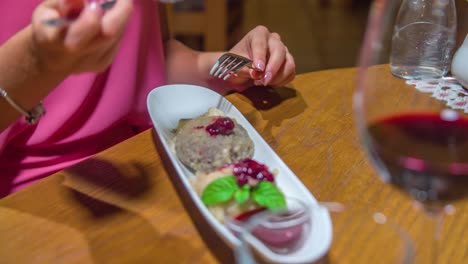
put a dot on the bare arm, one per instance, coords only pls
(185, 65)
(22, 76)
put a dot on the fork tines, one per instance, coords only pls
(228, 64)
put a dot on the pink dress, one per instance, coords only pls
(86, 113)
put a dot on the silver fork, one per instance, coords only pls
(224, 105)
(65, 21)
(228, 64)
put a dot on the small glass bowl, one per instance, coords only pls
(281, 231)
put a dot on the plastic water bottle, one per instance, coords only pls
(423, 39)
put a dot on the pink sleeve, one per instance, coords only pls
(3, 138)
(10, 132)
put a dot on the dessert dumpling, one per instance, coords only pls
(209, 141)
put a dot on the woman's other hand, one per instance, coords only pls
(88, 44)
(270, 56)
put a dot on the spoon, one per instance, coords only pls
(65, 21)
(242, 252)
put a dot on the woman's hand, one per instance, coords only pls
(88, 44)
(269, 55)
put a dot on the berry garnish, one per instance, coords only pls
(250, 172)
(220, 126)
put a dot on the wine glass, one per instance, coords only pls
(413, 126)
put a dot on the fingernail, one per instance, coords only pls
(267, 78)
(258, 83)
(94, 6)
(260, 65)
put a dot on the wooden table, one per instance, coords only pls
(120, 206)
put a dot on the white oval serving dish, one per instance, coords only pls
(170, 103)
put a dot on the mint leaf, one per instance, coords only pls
(219, 190)
(268, 195)
(242, 194)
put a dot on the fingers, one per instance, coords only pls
(86, 28)
(270, 55)
(92, 23)
(287, 71)
(277, 52)
(280, 66)
(88, 43)
(274, 64)
(43, 33)
(115, 19)
(259, 47)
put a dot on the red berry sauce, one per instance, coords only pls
(250, 169)
(220, 126)
(244, 217)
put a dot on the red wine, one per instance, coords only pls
(424, 154)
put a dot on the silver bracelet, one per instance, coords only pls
(31, 116)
